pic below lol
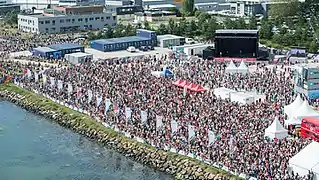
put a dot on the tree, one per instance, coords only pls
(241, 24)
(171, 26)
(282, 9)
(188, 7)
(162, 29)
(265, 30)
(252, 23)
(11, 18)
(228, 23)
(313, 47)
(146, 25)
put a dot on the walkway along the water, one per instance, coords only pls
(182, 167)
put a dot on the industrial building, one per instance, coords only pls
(168, 40)
(142, 38)
(57, 51)
(306, 80)
(66, 19)
(78, 57)
(192, 49)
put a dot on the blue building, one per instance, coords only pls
(46, 52)
(67, 48)
(142, 38)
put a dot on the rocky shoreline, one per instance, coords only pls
(181, 167)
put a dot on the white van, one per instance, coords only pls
(131, 49)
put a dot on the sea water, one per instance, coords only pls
(35, 148)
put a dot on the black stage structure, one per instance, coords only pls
(236, 45)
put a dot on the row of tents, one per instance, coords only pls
(232, 68)
(189, 86)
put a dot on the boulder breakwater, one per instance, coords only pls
(181, 167)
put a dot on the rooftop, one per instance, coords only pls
(79, 54)
(64, 46)
(237, 31)
(120, 40)
(44, 49)
(204, 4)
(159, 6)
(168, 36)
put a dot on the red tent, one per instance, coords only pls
(179, 83)
(199, 88)
(190, 86)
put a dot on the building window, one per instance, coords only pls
(86, 19)
(102, 18)
(97, 18)
(61, 20)
(91, 19)
(68, 20)
(108, 17)
(41, 22)
(47, 22)
(80, 19)
(114, 17)
(53, 22)
(73, 20)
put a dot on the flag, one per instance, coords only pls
(159, 122)
(25, 72)
(52, 81)
(44, 78)
(107, 106)
(144, 117)
(29, 74)
(70, 89)
(174, 126)
(36, 77)
(90, 95)
(60, 84)
(128, 113)
(185, 91)
(191, 132)
(98, 100)
(211, 137)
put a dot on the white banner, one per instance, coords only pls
(144, 117)
(36, 77)
(211, 137)
(52, 81)
(98, 100)
(159, 122)
(90, 95)
(44, 78)
(128, 113)
(70, 89)
(107, 106)
(191, 132)
(174, 126)
(60, 84)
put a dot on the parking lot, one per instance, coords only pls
(123, 54)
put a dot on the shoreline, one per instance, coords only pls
(180, 167)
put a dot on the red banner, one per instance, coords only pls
(235, 59)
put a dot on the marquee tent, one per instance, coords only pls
(157, 73)
(292, 121)
(231, 68)
(181, 83)
(276, 130)
(305, 110)
(223, 92)
(242, 68)
(306, 160)
(189, 86)
(290, 108)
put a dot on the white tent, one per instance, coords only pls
(231, 68)
(292, 121)
(305, 110)
(306, 160)
(158, 73)
(223, 93)
(242, 68)
(290, 108)
(242, 97)
(276, 130)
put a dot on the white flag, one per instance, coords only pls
(159, 122)
(70, 89)
(185, 91)
(36, 77)
(52, 81)
(44, 78)
(144, 117)
(90, 95)
(128, 113)
(98, 100)
(107, 106)
(29, 73)
(174, 126)
(211, 137)
(60, 84)
(191, 132)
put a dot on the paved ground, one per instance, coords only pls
(123, 54)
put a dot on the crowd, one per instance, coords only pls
(239, 143)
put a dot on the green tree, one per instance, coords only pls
(241, 24)
(229, 24)
(171, 26)
(188, 7)
(252, 23)
(162, 29)
(282, 9)
(313, 47)
(209, 29)
(265, 30)
(11, 18)
(147, 25)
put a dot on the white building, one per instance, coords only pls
(169, 40)
(67, 19)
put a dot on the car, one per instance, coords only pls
(150, 47)
(131, 49)
(143, 48)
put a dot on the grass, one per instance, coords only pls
(92, 124)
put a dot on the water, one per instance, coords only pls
(34, 148)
